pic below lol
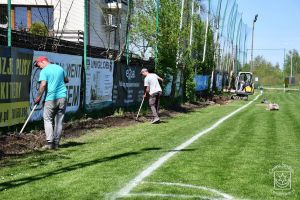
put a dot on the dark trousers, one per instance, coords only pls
(154, 100)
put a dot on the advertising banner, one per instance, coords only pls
(219, 81)
(15, 71)
(99, 83)
(72, 65)
(128, 85)
(201, 82)
(167, 88)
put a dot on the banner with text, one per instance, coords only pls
(99, 83)
(72, 65)
(15, 70)
(128, 85)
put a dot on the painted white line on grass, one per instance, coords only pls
(181, 196)
(293, 89)
(149, 170)
(214, 191)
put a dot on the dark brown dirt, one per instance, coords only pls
(13, 144)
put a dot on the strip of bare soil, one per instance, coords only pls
(13, 144)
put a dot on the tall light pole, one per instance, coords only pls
(255, 19)
(291, 66)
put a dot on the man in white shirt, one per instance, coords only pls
(154, 90)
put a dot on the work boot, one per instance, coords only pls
(48, 146)
(56, 145)
(156, 120)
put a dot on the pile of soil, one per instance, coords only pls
(13, 144)
(220, 99)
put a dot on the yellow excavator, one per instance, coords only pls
(244, 85)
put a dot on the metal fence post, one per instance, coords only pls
(85, 52)
(9, 23)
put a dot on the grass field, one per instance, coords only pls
(235, 160)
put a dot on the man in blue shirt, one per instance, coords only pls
(52, 81)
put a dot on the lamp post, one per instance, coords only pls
(291, 66)
(255, 19)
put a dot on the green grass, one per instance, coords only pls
(295, 86)
(235, 158)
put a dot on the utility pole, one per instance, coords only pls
(291, 66)
(255, 19)
(283, 58)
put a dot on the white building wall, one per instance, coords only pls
(62, 20)
(99, 31)
(99, 36)
(74, 20)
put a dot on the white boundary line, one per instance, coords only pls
(181, 196)
(154, 166)
(292, 89)
(226, 196)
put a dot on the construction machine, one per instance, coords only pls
(244, 86)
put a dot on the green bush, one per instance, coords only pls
(38, 28)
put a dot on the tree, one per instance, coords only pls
(175, 55)
(265, 71)
(38, 28)
(143, 30)
(144, 37)
(292, 56)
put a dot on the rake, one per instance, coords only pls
(140, 109)
(28, 118)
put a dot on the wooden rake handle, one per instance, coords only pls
(140, 109)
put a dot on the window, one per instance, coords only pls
(20, 18)
(43, 15)
(115, 1)
(110, 1)
(3, 16)
(24, 16)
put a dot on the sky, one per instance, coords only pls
(277, 27)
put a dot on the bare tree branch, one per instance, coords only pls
(41, 16)
(64, 26)
(98, 7)
(58, 24)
